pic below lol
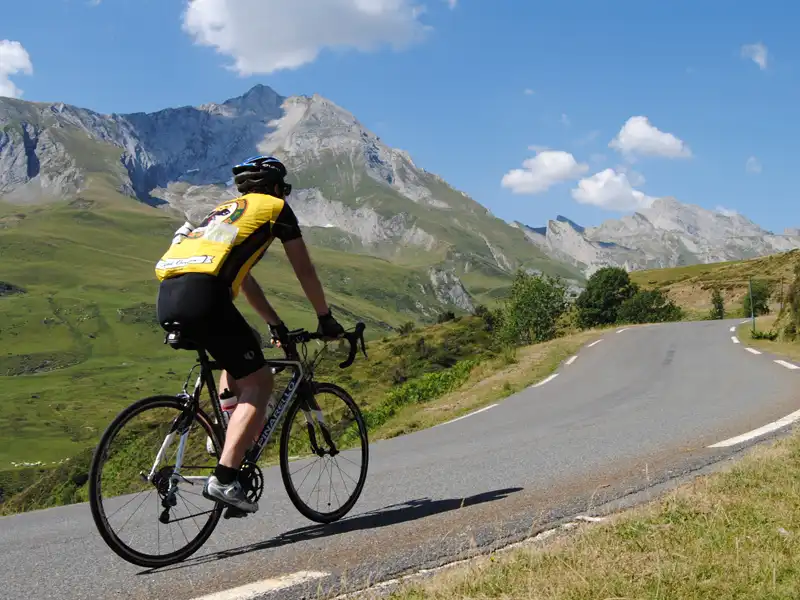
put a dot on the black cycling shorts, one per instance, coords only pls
(204, 308)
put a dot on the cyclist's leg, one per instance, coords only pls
(232, 343)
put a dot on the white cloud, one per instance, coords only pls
(544, 170)
(13, 59)
(757, 53)
(610, 190)
(538, 148)
(529, 92)
(264, 39)
(452, 3)
(565, 120)
(753, 165)
(728, 212)
(638, 136)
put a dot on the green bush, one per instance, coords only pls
(765, 335)
(648, 306)
(532, 310)
(417, 391)
(761, 291)
(605, 292)
(718, 304)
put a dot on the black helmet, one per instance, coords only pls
(260, 173)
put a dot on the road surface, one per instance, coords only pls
(641, 406)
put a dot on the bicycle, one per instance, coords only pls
(167, 480)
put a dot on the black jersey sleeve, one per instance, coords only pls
(286, 227)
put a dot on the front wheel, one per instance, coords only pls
(324, 435)
(146, 481)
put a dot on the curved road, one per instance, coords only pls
(639, 407)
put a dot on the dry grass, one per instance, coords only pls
(690, 287)
(725, 536)
(489, 382)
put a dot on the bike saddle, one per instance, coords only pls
(176, 339)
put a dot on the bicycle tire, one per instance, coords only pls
(305, 510)
(95, 489)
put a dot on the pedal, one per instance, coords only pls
(234, 513)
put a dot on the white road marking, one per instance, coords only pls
(734, 339)
(788, 365)
(768, 428)
(546, 380)
(594, 343)
(572, 360)
(623, 329)
(589, 519)
(485, 408)
(745, 321)
(733, 328)
(253, 590)
(752, 351)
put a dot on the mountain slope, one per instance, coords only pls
(668, 234)
(353, 192)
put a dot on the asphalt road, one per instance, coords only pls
(636, 409)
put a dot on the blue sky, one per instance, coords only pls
(471, 88)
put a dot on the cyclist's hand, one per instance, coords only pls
(279, 334)
(329, 327)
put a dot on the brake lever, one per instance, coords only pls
(354, 338)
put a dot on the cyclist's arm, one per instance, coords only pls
(255, 296)
(287, 230)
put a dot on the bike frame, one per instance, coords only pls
(206, 378)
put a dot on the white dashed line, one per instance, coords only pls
(752, 351)
(788, 365)
(733, 328)
(623, 329)
(546, 380)
(485, 408)
(572, 360)
(769, 428)
(266, 586)
(594, 343)
(734, 339)
(745, 321)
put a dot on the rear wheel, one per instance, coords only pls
(163, 521)
(324, 436)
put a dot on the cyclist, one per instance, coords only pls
(201, 275)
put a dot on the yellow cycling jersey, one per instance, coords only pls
(230, 239)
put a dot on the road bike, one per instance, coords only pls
(159, 458)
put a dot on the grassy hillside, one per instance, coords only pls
(691, 286)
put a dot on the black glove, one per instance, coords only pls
(329, 327)
(279, 334)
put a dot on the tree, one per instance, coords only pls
(533, 307)
(717, 304)
(648, 306)
(605, 292)
(761, 292)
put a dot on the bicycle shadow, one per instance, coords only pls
(393, 514)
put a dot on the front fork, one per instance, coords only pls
(312, 412)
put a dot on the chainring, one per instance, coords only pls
(252, 480)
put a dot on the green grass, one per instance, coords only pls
(729, 535)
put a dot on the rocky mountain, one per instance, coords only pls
(352, 191)
(667, 234)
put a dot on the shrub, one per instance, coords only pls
(761, 292)
(605, 292)
(533, 307)
(718, 304)
(648, 306)
(765, 335)
(446, 316)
